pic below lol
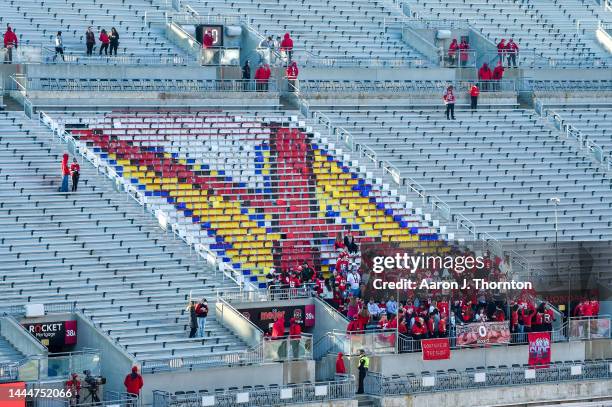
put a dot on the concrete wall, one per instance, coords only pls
(298, 371)
(568, 74)
(326, 320)
(464, 358)
(598, 349)
(503, 395)
(21, 340)
(115, 362)
(211, 379)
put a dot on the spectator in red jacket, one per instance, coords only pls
(286, 46)
(10, 42)
(501, 50)
(485, 75)
(292, 75)
(340, 368)
(278, 328)
(133, 383)
(65, 173)
(75, 170)
(512, 51)
(260, 78)
(105, 41)
(74, 387)
(497, 75)
(474, 92)
(464, 54)
(208, 40)
(452, 52)
(295, 333)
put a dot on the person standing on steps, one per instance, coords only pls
(10, 42)
(90, 41)
(105, 41)
(246, 75)
(363, 366)
(65, 173)
(59, 46)
(75, 170)
(474, 92)
(114, 41)
(201, 313)
(449, 101)
(193, 319)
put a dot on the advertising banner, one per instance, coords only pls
(54, 335)
(435, 349)
(539, 349)
(483, 333)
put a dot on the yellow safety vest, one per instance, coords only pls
(366, 362)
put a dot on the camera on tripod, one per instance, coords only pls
(93, 381)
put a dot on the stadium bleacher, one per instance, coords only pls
(99, 251)
(256, 190)
(545, 32)
(508, 163)
(326, 32)
(36, 23)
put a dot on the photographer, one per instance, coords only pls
(73, 387)
(133, 383)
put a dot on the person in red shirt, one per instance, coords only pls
(501, 50)
(260, 78)
(514, 318)
(286, 46)
(452, 53)
(485, 75)
(208, 40)
(105, 42)
(10, 42)
(528, 315)
(383, 322)
(339, 243)
(75, 170)
(594, 307)
(464, 54)
(133, 383)
(497, 76)
(65, 173)
(295, 334)
(73, 386)
(292, 75)
(512, 51)
(354, 326)
(340, 367)
(549, 318)
(474, 92)
(442, 332)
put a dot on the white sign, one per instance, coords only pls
(576, 370)
(480, 377)
(530, 374)
(321, 390)
(429, 381)
(242, 397)
(286, 394)
(208, 401)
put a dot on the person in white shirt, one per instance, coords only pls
(374, 309)
(354, 279)
(59, 46)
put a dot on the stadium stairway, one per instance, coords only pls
(8, 354)
(99, 250)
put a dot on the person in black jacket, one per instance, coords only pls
(114, 41)
(350, 243)
(193, 319)
(246, 75)
(90, 41)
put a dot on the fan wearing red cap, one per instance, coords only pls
(73, 386)
(133, 383)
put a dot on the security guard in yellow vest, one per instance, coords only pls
(364, 365)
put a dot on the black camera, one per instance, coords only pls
(93, 381)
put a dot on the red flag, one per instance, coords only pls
(435, 349)
(539, 349)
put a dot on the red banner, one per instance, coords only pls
(483, 333)
(539, 349)
(435, 349)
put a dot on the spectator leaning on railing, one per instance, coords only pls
(10, 42)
